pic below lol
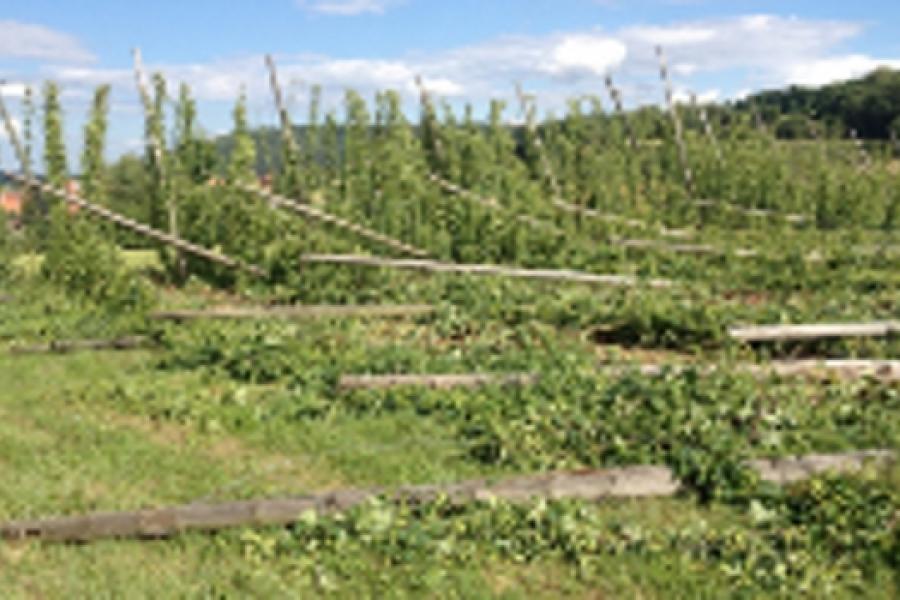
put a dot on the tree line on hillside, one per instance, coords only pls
(870, 106)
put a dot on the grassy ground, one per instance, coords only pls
(62, 453)
(110, 431)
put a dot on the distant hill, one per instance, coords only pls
(870, 105)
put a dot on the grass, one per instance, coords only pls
(110, 431)
(61, 453)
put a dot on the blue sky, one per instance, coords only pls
(466, 50)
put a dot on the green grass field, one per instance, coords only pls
(119, 431)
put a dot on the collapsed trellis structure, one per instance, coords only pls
(437, 382)
(589, 485)
(139, 228)
(808, 332)
(842, 369)
(434, 266)
(230, 313)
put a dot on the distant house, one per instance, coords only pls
(11, 202)
(73, 187)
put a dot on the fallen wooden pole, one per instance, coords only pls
(883, 370)
(63, 346)
(783, 471)
(440, 267)
(295, 312)
(320, 215)
(139, 228)
(491, 203)
(786, 333)
(437, 382)
(588, 485)
(793, 218)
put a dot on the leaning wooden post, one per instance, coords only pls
(291, 149)
(157, 150)
(676, 121)
(458, 190)
(865, 161)
(528, 113)
(616, 97)
(13, 137)
(707, 129)
(429, 120)
(631, 150)
(140, 228)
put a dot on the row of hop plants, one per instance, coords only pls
(377, 170)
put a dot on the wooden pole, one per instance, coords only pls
(616, 97)
(440, 267)
(64, 346)
(140, 228)
(157, 148)
(13, 137)
(295, 312)
(458, 190)
(491, 203)
(883, 370)
(436, 382)
(320, 215)
(708, 130)
(586, 485)
(794, 218)
(676, 121)
(283, 116)
(529, 109)
(865, 160)
(787, 333)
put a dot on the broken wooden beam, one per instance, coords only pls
(64, 346)
(587, 485)
(296, 312)
(141, 229)
(792, 333)
(844, 369)
(433, 266)
(320, 215)
(437, 382)
(782, 471)
(884, 370)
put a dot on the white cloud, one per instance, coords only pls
(679, 35)
(840, 68)
(12, 89)
(720, 55)
(591, 54)
(683, 96)
(26, 40)
(476, 71)
(762, 42)
(347, 8)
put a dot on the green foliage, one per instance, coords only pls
(55, 162)
(80, 261)
(241, 167)
(77, 258)
(868, 105)
(94, 185)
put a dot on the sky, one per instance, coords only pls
(465, 51)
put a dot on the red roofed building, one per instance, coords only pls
(11, 202)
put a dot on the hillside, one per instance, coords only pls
(870, 105)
